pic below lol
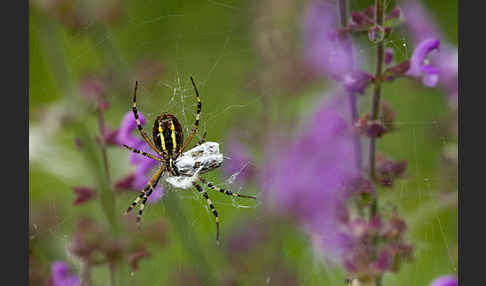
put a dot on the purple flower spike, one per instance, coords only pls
(61, 275)
(420, 65)
(328, 51)
(315, 193)
(448, 280)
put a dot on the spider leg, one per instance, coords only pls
(211, 206)
(139, 125)
(143, 153)
(142, 205)
(203, 139)
(151, 184)
(196, 123)
(226, 192)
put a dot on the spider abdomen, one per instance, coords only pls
(167, 134)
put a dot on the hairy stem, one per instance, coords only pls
(375, 109)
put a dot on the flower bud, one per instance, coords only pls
(376, 34)
(389, 55)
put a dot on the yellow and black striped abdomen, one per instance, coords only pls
(167, 134)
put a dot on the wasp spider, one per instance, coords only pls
(182, 168)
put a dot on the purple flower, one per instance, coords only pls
(448, 280)
(420, 65)
(61, 275)
(143, 165)
(421, 25)
(307, 179)
(239, 161)
(328, 51)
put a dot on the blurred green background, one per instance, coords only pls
(238, 52)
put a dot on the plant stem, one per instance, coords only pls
(379, 281)
(101, 125)
(343, 13)
(375, 108)
(187, 237)
(86, 274)
(107, 194)
(353, 102)
(112, 274)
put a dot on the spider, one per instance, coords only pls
(168, 143)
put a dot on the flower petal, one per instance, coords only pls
(61, 275)
(448, 280)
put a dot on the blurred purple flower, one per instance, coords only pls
(83, 194)
(239, 161)
(357, 81)
(143, 165)
(327, 50)
(418, 22)
(421, 25)
(61, 275)
(308, 178)
(420, 65)
(383, 261)
(76, 16)
(92, 87)
(448, 62)
(388, 170)
(448, 280)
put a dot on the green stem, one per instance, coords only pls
(112, 274)
(86, 274)
(101, 125)
(187, 237)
